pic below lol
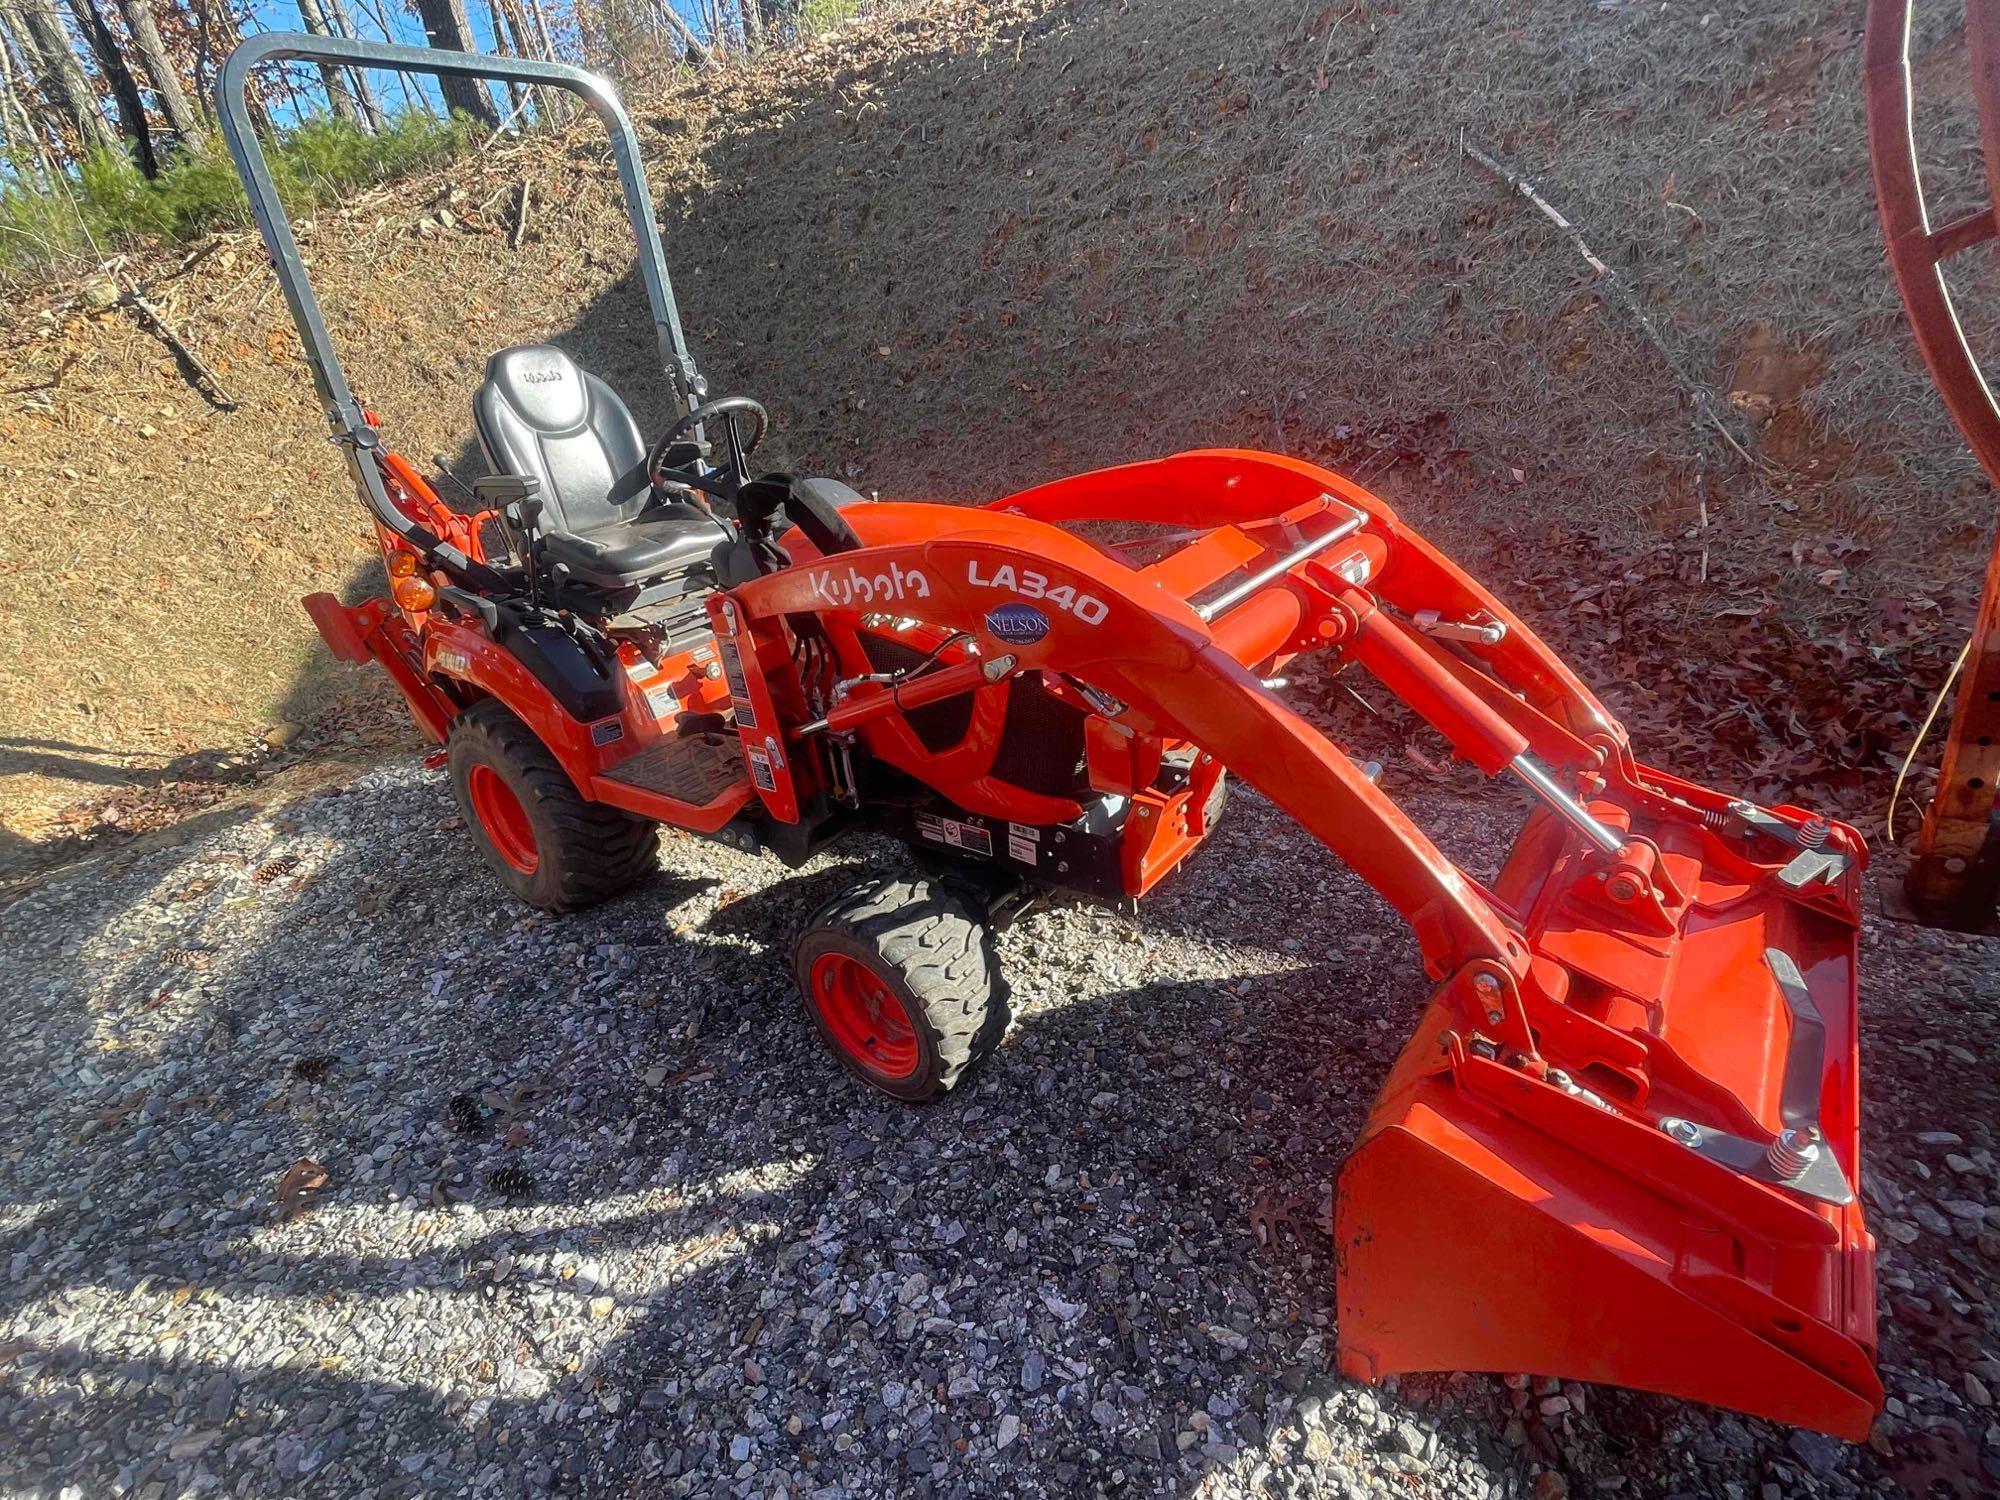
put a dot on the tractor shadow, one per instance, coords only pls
(127, 780)
(773, 1240)
(1110, 1233)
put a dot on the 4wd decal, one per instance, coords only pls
(845, 587)
(1030, 584)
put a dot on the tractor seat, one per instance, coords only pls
(539, 416)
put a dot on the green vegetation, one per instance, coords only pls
(107, 204)
(815, 16)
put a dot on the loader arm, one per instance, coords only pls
(1623, 1143)
(1154, 654)
(1222, 486)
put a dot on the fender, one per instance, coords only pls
(461, 651)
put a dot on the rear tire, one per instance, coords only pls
(900, 980)
(549, 845)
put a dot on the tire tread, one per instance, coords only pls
(602, 851)
(941, 952)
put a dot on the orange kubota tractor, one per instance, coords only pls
(1623, 1144)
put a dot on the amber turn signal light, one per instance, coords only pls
(415, 594)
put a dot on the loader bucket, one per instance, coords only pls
(1488, 1221)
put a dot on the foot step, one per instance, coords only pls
(695, 768)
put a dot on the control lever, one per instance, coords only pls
(473, 604)
(518, 493)
(518, 499)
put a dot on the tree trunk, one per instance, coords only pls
(542, 29)
(517, 98)
(686, 34)
(364, 93)
(445, 26)
(217, 31)
(59, 76)
(160, 72)
(339, 96)
(520, 31)
(753, 25)
(12, 136)
(18, 125)
(124, 87)
(555, 105)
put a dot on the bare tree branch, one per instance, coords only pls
(702, 55)
(1703, 398)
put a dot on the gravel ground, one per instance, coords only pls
(328, 1170)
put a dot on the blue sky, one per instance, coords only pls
(283, 15)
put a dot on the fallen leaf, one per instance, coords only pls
(302, 1178)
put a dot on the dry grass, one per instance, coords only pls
(1131, 227)
(1082, 233)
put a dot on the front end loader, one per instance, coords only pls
(1623, 1143)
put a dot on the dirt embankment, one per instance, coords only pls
(966, 247)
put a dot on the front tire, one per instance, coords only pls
(899, 979)
(549, 845)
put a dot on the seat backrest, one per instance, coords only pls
(538, 415)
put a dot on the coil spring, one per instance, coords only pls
(1792, 1152)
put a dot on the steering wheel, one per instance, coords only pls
(729, 408)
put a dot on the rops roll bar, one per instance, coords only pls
(351, 427)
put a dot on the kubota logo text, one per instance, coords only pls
(844, 588)
(1032, 585)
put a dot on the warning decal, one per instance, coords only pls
(739, 689)
(953, 834)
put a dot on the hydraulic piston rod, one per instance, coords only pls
(1236, 595)
(1572, 811)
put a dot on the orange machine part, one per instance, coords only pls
(1517, 1201)
(1488, 1220)
(1468, 1243)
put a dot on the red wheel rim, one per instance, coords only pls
(863, 1016)
(503, 818)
